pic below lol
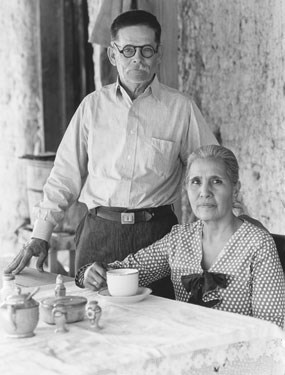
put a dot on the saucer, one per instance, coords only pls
(141, 294)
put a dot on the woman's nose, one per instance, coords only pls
(205, 190)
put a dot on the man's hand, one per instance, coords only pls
(35, 247)
(95, 276)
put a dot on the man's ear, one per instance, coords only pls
(111, 55)
(159, 54)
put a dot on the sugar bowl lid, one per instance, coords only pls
(22, 301)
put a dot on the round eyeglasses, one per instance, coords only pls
(129, 50)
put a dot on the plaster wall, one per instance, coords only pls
(232, 62)
(21, 112)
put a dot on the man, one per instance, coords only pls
(123, 155)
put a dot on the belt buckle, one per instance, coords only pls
(127, 218)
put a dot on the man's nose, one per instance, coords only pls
(137, 55)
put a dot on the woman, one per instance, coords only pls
(220, 261)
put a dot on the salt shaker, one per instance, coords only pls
(8, 286)
(59, 314)
(94, 312)
(60, 289)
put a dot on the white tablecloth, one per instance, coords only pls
(151, 337)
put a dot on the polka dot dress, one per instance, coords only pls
(256, 284)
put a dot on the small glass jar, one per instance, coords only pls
(8, 286)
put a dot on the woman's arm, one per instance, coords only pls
(152, 261)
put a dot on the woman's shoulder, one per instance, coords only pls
(256, 235)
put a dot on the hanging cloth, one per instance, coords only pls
(164, 10)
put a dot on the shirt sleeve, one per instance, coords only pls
(152, 261)
(199, 133)
(268, 284)
(67, 176)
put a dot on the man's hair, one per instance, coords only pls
(218, 153)
(135, 18)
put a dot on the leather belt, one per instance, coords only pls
(125, 216)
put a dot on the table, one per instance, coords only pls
(30, 277)
(155, 336)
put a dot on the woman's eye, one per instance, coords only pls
(217, 181)
(195, 181)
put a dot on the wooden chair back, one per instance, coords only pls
(280, 244)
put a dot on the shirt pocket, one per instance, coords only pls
(160, 156)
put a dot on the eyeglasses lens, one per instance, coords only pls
(146, 51)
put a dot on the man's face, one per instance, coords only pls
(136, 69)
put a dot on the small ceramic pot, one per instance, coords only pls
(74, 307)
(20, 314)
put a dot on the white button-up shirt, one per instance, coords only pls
(123, 153)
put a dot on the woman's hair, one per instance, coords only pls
(216, 152)
(134, 18)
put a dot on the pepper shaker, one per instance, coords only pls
(60, 290)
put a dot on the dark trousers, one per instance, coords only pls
(100, 240)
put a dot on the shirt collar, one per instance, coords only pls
(153, 87)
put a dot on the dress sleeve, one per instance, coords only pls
(79, 277)
(152, 261)
(268, 284)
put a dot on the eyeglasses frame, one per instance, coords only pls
(135, 48)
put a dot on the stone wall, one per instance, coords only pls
(21, 111)
(232, 61)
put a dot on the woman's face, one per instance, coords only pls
(210, 190)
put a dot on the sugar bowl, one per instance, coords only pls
(20, 314)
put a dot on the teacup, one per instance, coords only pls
(123, 282)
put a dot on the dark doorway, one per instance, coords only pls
(67, 64)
